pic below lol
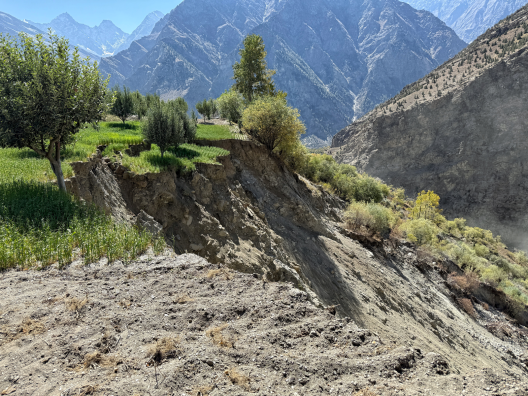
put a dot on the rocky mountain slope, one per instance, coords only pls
(336, 59)
(459, 131)
(99, 41)
(144, 29)
(469, 18)
(12, 26)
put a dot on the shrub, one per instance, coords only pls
(421, 231)
(368, 189)
(377, 218)
(493, 274)
(271, 122)
(231, 105)
(481, 250)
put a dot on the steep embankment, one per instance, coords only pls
(459, 131)
(253, 215)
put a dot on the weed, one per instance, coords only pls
(216, 334)
(226, 274)
(468, 282)
(76, 305)
(467, 306)
(183, 299)
(203, 390)
(97, 358)
(163, 349)
(238, 378)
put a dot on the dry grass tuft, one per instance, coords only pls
(238, 378)
(183, 299)
(74, 304)
(468, 282)
(365, 392)
(224, 273)
(467, 306)
(203, 390)
(88, 390)
(219, 338)
(163, 349)
(125, 303)
(33, 327)
(96, 358)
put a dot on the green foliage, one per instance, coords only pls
(252, 78)
(231, 106)
(421, 231)
(163, 128)
(47, 93)
(123, 106)
(271, 122)
(375, 217)
(41, 225)
(204, 109)
(140, 104)
(217, 132)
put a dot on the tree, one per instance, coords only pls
(213, 108)
(271, 122)
(140, 104)
(426, 206)
(231, 105)
(47, 93)
(252, 78)
(163, 128)
(203, 108)
(123, 104)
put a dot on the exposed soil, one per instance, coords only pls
(181, 326)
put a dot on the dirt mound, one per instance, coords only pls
(180, 325)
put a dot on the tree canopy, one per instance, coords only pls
(252, 78)
(47, 93)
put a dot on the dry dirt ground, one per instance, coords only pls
(178, 325)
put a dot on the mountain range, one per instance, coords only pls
(336, 59)
(460, 131)
(469, 18)
(98, 41)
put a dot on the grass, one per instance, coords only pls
(40, 226)
(217, 132)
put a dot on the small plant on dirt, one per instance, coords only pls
(75, 304)
(218, 338)
(467, 306)
(203, 390)
(222, 272)
(96, 358)
(183, 299)
(238, 378)
(165, 348)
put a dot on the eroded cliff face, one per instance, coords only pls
(252, 214)
(469, 146)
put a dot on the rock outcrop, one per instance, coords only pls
(461, 132)
(336, 59)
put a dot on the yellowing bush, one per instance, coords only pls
(375, 217)
(421, 231)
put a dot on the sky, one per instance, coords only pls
(126, 14)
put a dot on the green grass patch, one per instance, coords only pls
(217, 132)
(182, 159)
(40, 225)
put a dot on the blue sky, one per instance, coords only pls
(126, 14)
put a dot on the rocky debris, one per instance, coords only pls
(146, 222)
(181, 325)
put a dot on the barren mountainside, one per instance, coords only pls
(460, 131)
(469, 18)
(336, 59)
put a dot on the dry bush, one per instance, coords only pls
(226, 274)
(163, 349)
(468, 282)
(183, 299)
(125, 303)
(467, 306)
(365, 392)
(74, 304)
(238, 378)
(97, 358)
(88, 390)
(203, 390)
(485, 306)
(219, 338)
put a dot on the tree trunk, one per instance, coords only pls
(57, 168)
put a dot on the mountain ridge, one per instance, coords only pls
(190, 59)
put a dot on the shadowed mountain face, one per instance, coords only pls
(460, 131)
(98, 41)
(336, 59)
(469, 18)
